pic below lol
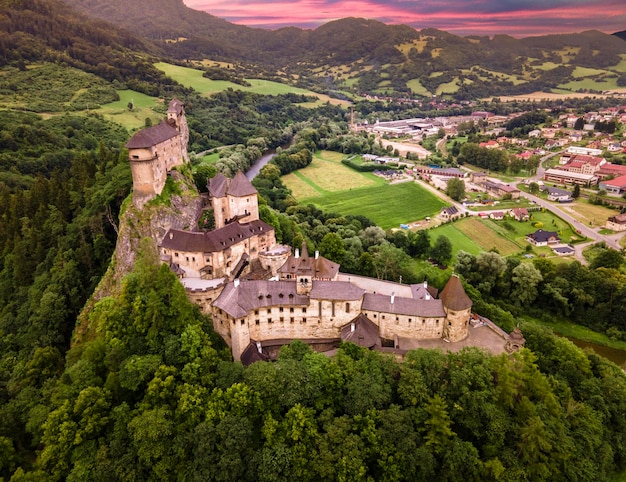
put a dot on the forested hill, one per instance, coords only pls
(621, 34)
(374, 57)
(48, 30)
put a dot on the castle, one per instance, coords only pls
(154, 151)
(261, 295)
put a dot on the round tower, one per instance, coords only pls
(458, 308)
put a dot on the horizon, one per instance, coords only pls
(517, 18)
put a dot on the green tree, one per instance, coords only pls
(441, 251)
(456, 189)
(437, 426)
(331, 247)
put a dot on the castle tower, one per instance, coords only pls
(458, 307)
(176, 118)
(233, 199)
(154, 151)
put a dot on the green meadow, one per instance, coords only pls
(193, 78)
(143, 107)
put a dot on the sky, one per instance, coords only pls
(519, 18)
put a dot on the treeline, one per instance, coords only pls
(592, 296)
(155, 398)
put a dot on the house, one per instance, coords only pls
(617, 223)
(490, 144)
(449, 213)
(500, 190)
(543, 238)
(497, 215)
(616, 186)
(534, 133)
(556, 194)
(520, 214)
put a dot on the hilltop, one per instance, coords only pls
(359, 55)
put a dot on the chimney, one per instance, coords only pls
(393, 297)
(297, 253)
(171, 235)
(427, 298)
(425, 284)
(258, 347)
(352, 327)
(236, 281)
(317, 254)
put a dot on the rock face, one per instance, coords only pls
(141, 230)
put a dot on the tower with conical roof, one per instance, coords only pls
(233, 199)
(458, 308)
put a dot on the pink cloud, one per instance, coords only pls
(457, 16)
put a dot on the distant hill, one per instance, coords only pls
(621, 34)
(49, 30)
(360, 55)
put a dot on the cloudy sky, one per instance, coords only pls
(519, 18)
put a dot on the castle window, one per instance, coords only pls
(383, 317)
(282, 318)
(176, 255)
(193, 259)
(291, 320)
(375, 315)
(410, 320)
(397, 318)
(319, 308)
(437, 321)
(304, 310)
(291, 310)
(187, 258)
(280, 309)
(269, 320)
(257, 321)
(332, 308)
(304, 320)
(347, 307)
(243, 321)
(256, 312)
(269, 311)
(208, 260)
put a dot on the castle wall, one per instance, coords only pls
(148, 178)
(390, 325)
(204, 297)
(247, 207)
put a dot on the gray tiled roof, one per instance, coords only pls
(152, 136)
(213, 241)
(403, 306)
(320, 267)
(218, 185)
(335, 290)
(238, 186)
(238, 301)
(175, 106)
(365, 332)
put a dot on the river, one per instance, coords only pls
(615, 355)
(260, 162)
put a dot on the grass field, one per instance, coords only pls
(327, 175)
(193, 78)
(135, 119)
(589, 214)
(490, 238)
(592, 84)
(334, 187)
(387, 205)
(417, 88)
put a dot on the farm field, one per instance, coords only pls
(387, 205)
(337, 188)
(193, 78)
(589, 214)
(474, 235)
